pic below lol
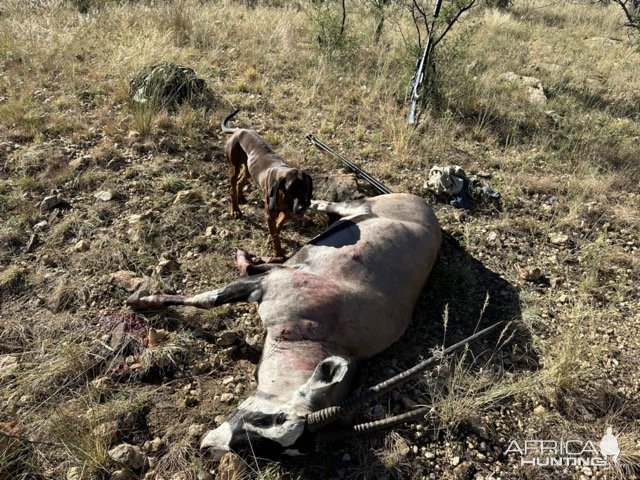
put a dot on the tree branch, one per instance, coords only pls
(454, 20)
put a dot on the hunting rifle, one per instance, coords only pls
(424, 61)
(350, 165)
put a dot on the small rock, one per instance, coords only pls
(539, 411)
(204, 476)
(228, 380)
(255, 341)
(166, 266)
(197, 430)
(530, 274)
(180, 476)
(210, 231)
(562, 298)
(157, 337)
(50, 202)
(156, 445)
(127, 280)
(135, 235)
(341, 187)
(480, 427)
(226, 397)
(74, 473)
(121, 475)
(186, 197)
(346, 457)
(81, 246)
(429, 455)
(138, 218)
(128, 455)
(103, 195)
(493, 237)
(558, 238)
(227, 338)
(464, 471)
(455, 461)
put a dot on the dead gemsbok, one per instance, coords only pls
(345, 296)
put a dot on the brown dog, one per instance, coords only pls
(287, 191)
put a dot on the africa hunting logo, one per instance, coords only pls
(554, 453)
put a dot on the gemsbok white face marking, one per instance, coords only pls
(276, 424)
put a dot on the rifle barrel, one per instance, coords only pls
(375, 183)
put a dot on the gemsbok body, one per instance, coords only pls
(345, 296)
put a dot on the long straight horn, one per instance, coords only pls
(328, 437)
(317, 420)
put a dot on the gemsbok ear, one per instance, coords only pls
(328, 372)
(273, 194)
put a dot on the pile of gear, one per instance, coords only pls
(462, 190)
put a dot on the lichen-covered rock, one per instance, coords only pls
(168, 85)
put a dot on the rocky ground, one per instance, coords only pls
(123, 389)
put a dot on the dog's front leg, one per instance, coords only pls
(274, 234)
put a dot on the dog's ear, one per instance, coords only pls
(308, 181)
(273, 194)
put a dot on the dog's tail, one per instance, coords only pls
(223, 125)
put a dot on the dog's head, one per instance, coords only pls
(292, 193)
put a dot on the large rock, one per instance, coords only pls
(532, 85)
(168, 85)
